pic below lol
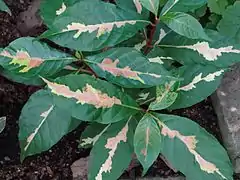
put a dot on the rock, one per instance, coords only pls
(79, 169)
(226, 102)
(29, 21)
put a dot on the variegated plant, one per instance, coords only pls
(126, 61)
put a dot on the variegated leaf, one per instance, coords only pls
(92, 99)
(151, 5)
(182, 5)
(128, 68)
(199, 82)
(147, 141)
(165, 96)
(72, 29)
(91, 134)
(4, 7)
(106, 155)
(2, 123)
(29, 59)
(185, 25)
(42, 124)
(192, 150)
(221, 52)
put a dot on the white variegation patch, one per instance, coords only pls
(191, 144)
(138, 6)
(61, 10)
(161, 36)
(143, 96)
(44, 115)
(210, 77)
(100, 28)
(140, 45)
(156, 60)
(112, 144)
(210, 54)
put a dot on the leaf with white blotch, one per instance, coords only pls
(147, 141)
(165, 96)
(2, 123)
(151, 5)
(182, 5)
(91, 135)
(128, 68)
(92, 99)
(185, 141)
(230, 23)
(50, 9)
(42, 124)
(29, 59)
(4, 7)
(108, 26)
(185, 25)
(199, 82)
(106, 158)
(221, 52)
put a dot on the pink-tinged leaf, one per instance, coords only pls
(138, 6)
(191, 144)
(100, 28)
(111, 66)
(88, 95)
(112, 145)
(61, 10)
(22, 58)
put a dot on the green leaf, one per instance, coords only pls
(92, 99)
(42, 124)
(199, 82)
(221, 52)
(166, 96)
(192, 150)
(2, 123)
(151, 5)
(217, 6)
(107, 26)
(147, 141)
(185, 25)
(29, 59)
(91, 135)
(50, 9)
(128, 68)
(230, 23)
(106, 158)
(182, 5)
(3, 7)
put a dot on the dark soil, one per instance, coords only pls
(55, 163)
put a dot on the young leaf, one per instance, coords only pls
(185, 141)
(151, 5)
(91, 134)
(230, 23)
(147, 142)
(166, 96)
(185, 25)
(182, 5)
(4, 7)
(2, 123)
(106, 158)
(128, 68)
(199, 82)
(29, 59)
(42, 124)
(221, 52)
(107, 26)
(92, 99)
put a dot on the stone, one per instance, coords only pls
(226, 102)
(80, 169)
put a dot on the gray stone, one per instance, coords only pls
(226, 102)
(79, 169)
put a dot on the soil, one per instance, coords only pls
(55, 163)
